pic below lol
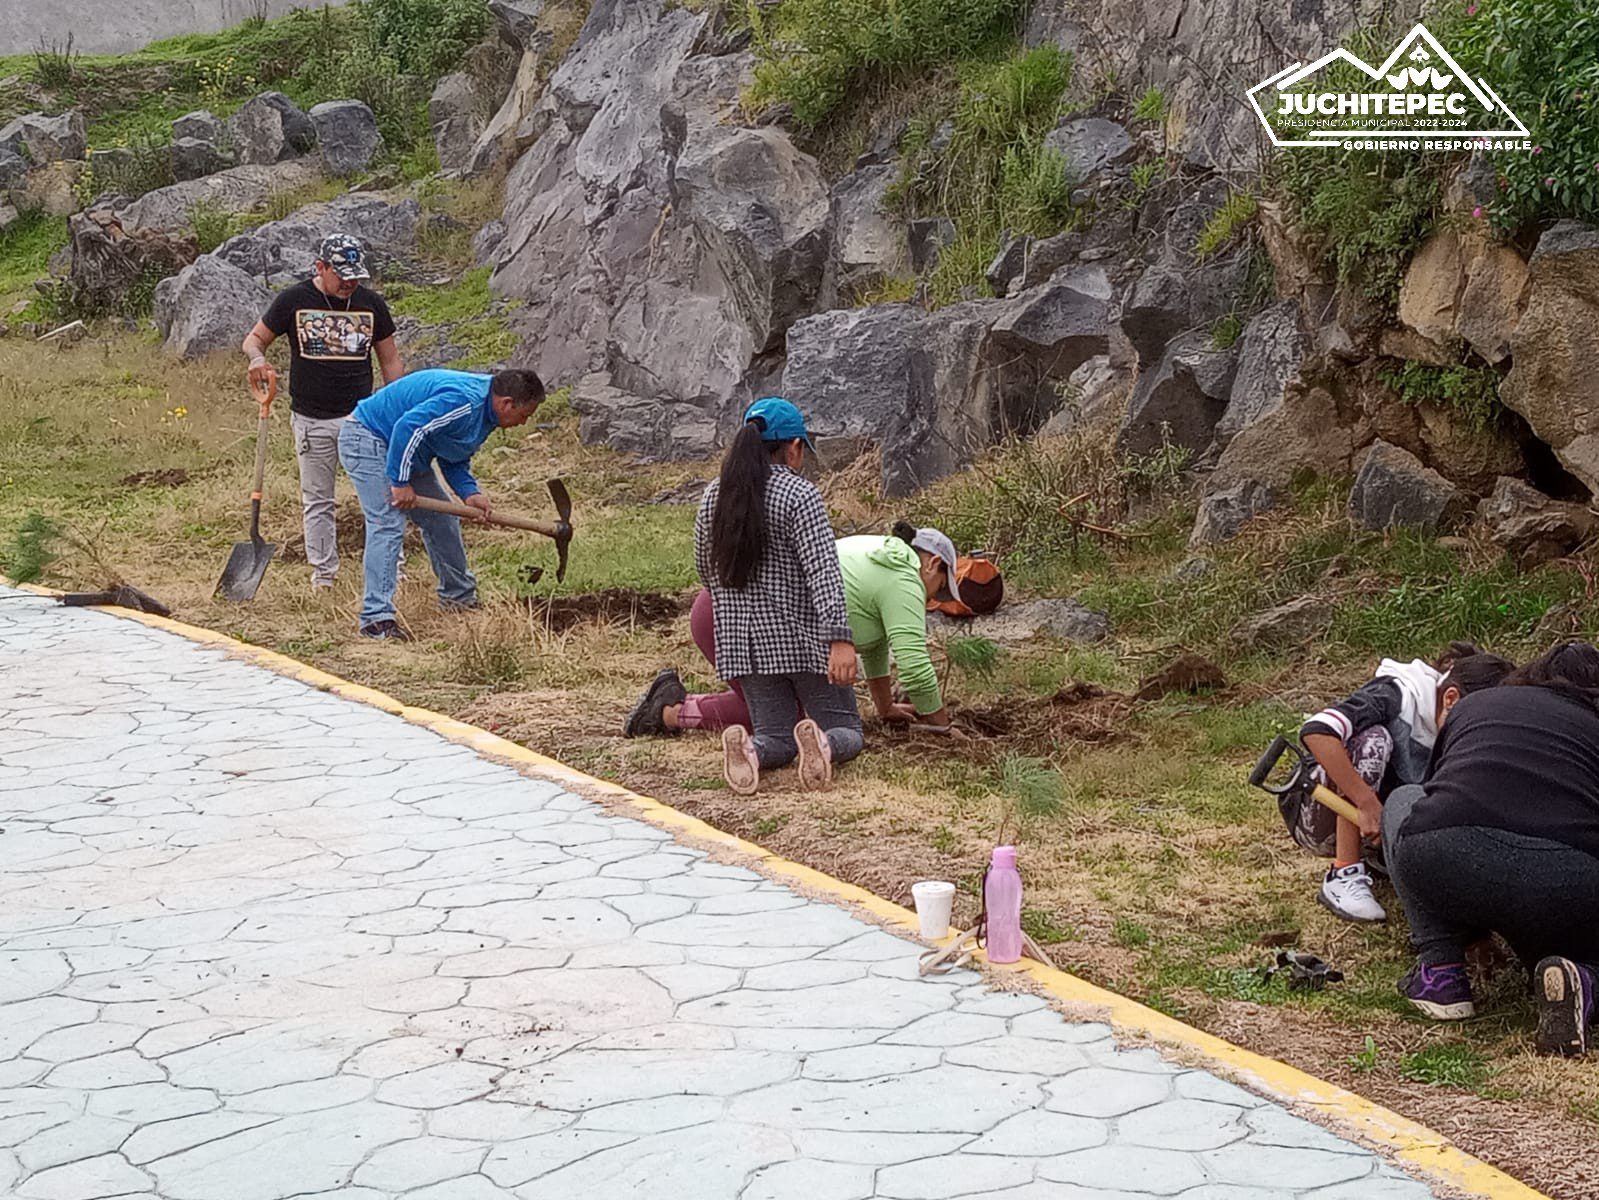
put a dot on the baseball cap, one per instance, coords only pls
(934, 542)
(780, 421)
(344, 254)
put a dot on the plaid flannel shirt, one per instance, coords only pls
(784, 620)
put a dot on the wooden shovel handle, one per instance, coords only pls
(547, 528)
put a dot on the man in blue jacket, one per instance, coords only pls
(388, 448)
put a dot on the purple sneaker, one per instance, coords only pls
(1443, 993)
(1565, 992)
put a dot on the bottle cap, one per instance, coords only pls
(1005, 856)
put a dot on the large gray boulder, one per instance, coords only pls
(1224, 513)
(195, 159)
(512, 129)
(1394, 490)
(651, 240)
(912, 382)
(210, 306)
(646, 429)
(1181, 399)
(1271, 350)
(868, 242)
(1555, 349)
(201, 125)
(271, 128)
(237, 189)
(1090, 144)
(281, 252)
(456, 119)
(42, 139)
(1066, 619)
(1040, 338)
(1532, 527)
(347, 135)
(13, 169)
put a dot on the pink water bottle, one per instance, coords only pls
(1002, 899)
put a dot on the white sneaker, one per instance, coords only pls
(1347, 893)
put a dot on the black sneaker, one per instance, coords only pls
(1565, 994)
(385, 631)
(646, 720)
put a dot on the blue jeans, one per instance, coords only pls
(775, 702)
(365, 458)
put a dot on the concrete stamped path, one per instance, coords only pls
(260, 942)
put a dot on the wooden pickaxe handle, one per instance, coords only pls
(550, 529)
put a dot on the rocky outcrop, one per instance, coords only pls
(1393, 489)
(1182, 398)
(201, 125)
(281, 252)
(1088, 144)
(269, 129)
(13, 168)
(527, 26)
(51, 189)
(346, 135)
(1224, 513)
(210, 306)
(1285, 626)
(868, 243)
(653, 242)
(1270, 352)
(39, 139)
(1532, 527)
(1461, 288)
(456, 118)
(1204, 58)
(108, 262)
(238, 189)
(195, 159)
(1555, 349)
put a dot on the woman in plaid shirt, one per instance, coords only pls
(764, 547)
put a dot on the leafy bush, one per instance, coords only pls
(55, 65)
(811, 51)
(1368, 209)
(30, 551)
(1223, 225)
(1542, 57)
(991, 170)
(212, 223)
(425, 38)
(1471, 393)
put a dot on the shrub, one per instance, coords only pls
(993, 172)
(30, 551)
(55, 65)
(1542, 57)
(212, 224)
(811, 51)
(1471, 393)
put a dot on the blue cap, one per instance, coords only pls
(780, 421)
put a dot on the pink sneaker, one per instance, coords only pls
(815, 756)
(740, 767)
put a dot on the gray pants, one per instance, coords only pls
(1462, 883)
(316, 448)
(774, 703)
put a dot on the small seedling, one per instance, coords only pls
(1366, 1058)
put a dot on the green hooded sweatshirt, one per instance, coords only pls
(888, 613)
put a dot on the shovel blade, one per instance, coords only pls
(246, 565)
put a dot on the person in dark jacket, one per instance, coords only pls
(1376, 739)
(389, 447)
(1504, 838)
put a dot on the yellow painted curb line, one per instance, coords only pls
(1402, 1139)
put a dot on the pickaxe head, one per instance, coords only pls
(563, 525)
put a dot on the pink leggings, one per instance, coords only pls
(724, 709)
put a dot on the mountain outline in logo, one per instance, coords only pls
(1427, 94)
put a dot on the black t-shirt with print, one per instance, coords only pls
(330, 346)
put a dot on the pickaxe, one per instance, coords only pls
(560, 529)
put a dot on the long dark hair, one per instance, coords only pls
(738, 525)
(1475, 672)
(1571, 668)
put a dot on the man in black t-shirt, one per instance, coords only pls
(336, 325)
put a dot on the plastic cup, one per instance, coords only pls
(934, 900)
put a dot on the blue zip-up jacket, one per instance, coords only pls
(428, 415)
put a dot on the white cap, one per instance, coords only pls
(934, 542)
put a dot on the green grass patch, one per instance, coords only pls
(647, 548)
(25, 250)
(1223, 225)
(1446, 1064)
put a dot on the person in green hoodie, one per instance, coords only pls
(887, 583)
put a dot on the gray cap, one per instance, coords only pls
(934, 542)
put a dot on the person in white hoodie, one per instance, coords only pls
(1374, 740)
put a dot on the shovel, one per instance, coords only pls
(248, 562)
(559, 529)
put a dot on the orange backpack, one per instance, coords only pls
(982, 588)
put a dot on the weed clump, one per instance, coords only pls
(31, 549)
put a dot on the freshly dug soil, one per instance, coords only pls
(614, 606)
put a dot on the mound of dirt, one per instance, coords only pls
(1188, 673)
(614, 606)
(171, 477)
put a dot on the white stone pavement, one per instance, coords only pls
(259, 942)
